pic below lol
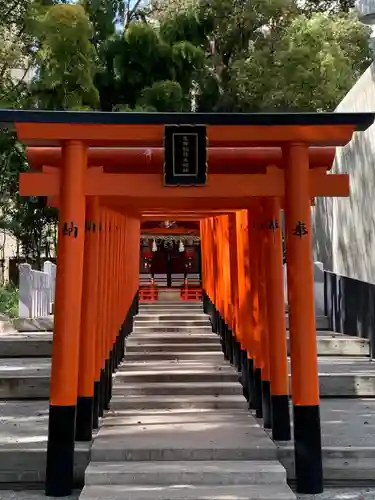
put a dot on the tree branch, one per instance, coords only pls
(130, 13)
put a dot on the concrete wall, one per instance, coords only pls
(344, 228)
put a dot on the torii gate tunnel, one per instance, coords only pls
(234, 173)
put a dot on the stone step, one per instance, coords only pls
(181, 316)
(27, 325)
(176, 372)
(157, 329)
(208, 356)
(238, 492)
(32, 345)
(194, 473)
(181, 434)
(139, 346)
(162, 339)
(23, 443)
(39, 344)
(338, 376)
(183, 304)
(321, 322)
(178, 388)
(171, 322)
(19, 387)
(335, 344)
(172, 311)
(121, 401)
(24, 378)
(176, 419)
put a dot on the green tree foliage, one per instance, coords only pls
(267, 55)
(15, 50)
(9, 297)
(314, 63)
(66, 59)
(328, 6)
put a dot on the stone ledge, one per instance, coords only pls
(339, 463)
(25, 465)
(34, 324)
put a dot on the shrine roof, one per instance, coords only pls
(360, 121)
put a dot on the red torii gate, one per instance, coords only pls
(82, 174)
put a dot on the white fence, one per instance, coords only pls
(37, 291)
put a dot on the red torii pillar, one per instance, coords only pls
(304, 364)
(65, 349)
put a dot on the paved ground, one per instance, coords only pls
(41, 367)
(348, 422)
(341, 494)
(345, 422)
(31, 495)
(329, 494)
(23, 424)
(24, 367)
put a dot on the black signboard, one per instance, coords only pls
(185, 155)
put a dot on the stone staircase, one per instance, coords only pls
(190, 352)
(24, 393)
(178, 427)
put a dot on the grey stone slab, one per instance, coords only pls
(348, 440)
(23, 424)
(330, 344)
(138, 345)
(170, 322)
(160, 328)
(342, 494)
(346, 377)
(176, 416)
(172, 315)
(180, 336)
(321, 322)
(34, 324)
(209, 357)
(29, 465)
(196, 473)
(182, 374)
(175, 309)
(24, 367)
(23, 443)
(178, 388)
(336, 335)
(28, 344)
(32, 495)
(348, 422)
(346, 385)
(346, 365)
(176, 492)
(142, 402)
(172, 303)
(166, 436)
(163, 365)
(24, 378)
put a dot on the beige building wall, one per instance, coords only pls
(344, 228)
